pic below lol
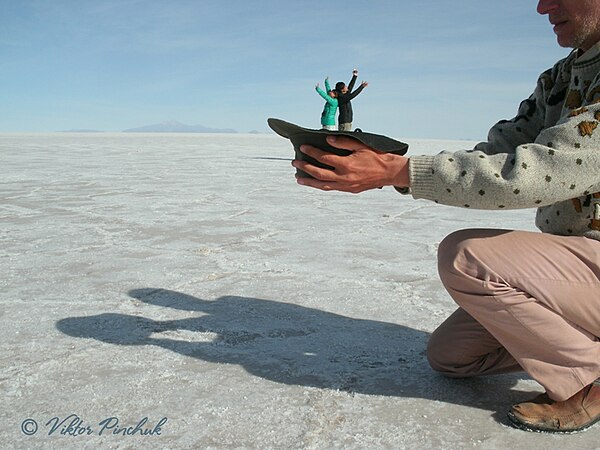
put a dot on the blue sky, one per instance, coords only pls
(436, 69)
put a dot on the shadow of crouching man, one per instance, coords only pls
(294, 345)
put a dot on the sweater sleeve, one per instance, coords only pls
(536, 159)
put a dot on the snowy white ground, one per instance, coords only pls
(188, 277)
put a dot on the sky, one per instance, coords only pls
(436, 69)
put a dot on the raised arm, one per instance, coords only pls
(363, 85)
(353, 80)
(325, 95)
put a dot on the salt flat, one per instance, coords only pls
(187, 279)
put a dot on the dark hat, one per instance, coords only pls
(340, 85)
(317, 138)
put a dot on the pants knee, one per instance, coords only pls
(439, 357)
(465, 259)
(451, 253)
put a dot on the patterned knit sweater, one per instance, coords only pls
(547, 157)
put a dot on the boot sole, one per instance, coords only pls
(527, 427)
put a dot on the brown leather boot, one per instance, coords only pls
(542, 414)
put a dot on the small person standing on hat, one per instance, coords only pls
(344, 96)
(331, 105)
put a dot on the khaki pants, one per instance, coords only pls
(345, 126)
(528, 301)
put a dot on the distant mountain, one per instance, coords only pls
(83, 130)
(177, 127)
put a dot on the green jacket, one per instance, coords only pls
(331, 105)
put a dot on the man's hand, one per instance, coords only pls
(364, 83)
(361, 170)
(355, 72)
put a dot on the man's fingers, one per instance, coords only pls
(345, 142)
(328, 158)
(323, 157)
(311, 151)
(318, 184)
(329, 185)
(348, 143)
(341, 142)
(314, 171)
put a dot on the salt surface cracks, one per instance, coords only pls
(189, 277)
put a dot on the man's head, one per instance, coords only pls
(341, 87)
(576, 22)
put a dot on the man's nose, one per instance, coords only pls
(547, 6)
